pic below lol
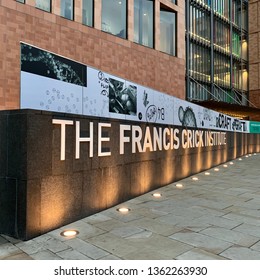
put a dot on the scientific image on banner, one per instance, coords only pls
(50, 82)
(186, 114)
(142, 99)
(96, 95)
(122, 98)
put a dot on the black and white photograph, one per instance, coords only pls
(43, 63)
(122, 99)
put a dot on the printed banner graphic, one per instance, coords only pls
(54, 83)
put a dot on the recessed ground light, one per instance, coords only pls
(250, 155)
(254, 154)
(179, 185)
(216, 169)
(231, 163)
(123, 210)
(69, 233)
(246, 155)
(195, 178)
(157, 195)
(207, 173)
(240, 159)
(225, 165)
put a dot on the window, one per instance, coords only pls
(200, 23)
(168, 31)
(144, 22)
(222, 35)
(236, 44)
(87, 12)
(222, 7)
(21, 1)
(222, 70)
(67, 9)
(114, 17)
(174, 2)
(199, 62)
(236, 12)
(244, 18)
(43, 5)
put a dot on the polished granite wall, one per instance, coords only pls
(39, 192)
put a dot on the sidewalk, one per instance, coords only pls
(215, 217)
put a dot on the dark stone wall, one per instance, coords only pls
(39, 192)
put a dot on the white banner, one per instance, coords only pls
(53, 83)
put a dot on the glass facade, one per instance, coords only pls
(144, 22)
(199, 62)
(199, 23)
(114, 17)
(67, 9)
(168, 32)
(221, 35)
(87, 12)
(221, 7)
(217, 50)
(43, 5)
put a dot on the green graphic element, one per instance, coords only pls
(254, 127)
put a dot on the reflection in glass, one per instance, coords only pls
(143, 22)
(168, 31)
(114, 17)
(67, 9)
(43, 5)
(87, 12)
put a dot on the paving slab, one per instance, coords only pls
(202, 241)
(231, 236)
(198, 254)
(241, 253)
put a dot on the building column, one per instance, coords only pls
(97, 14)
(157, 42)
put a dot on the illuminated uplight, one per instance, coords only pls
(207, 173)
(157, 195)
(246, 155)
(216, 169)
(69, 233)
(195, 178)
(240, 159)
(179, 185)
(231, 163)
(123, 210)
(254, 154)
(225, 165)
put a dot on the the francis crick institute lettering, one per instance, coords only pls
(141, 140)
